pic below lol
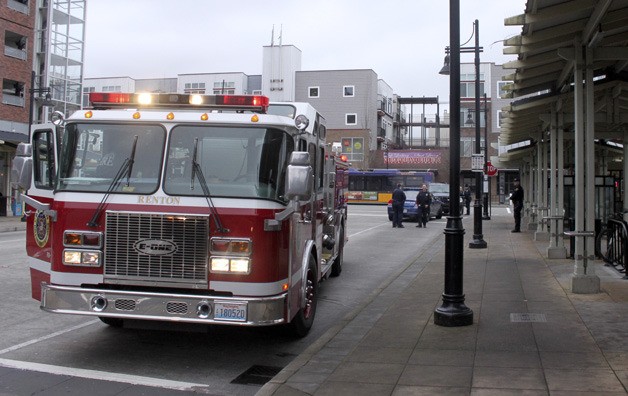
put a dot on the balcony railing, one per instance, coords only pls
(15, 53)
(17, 6)
(12, 100)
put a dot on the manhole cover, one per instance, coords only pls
(257, 375)
(527, 317)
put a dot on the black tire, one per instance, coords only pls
(439, 215)
(336, 267)
(303, 320)
(113, 322)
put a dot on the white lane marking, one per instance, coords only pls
(369, 214)
(368, 229)
(101, 375)
(508, 209)
(36, 340)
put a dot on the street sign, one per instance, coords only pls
(477, 162)
(490, 169)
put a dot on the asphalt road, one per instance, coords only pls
(183, 356)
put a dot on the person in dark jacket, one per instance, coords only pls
(467, 198)
(517, 202)
(398, 199)
(423, 202)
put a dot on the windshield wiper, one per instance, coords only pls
(198, 173)
(125, 170)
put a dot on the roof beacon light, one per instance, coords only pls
(105, 100)
(144, 99)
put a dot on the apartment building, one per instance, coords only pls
(17, 22)
(41, 69)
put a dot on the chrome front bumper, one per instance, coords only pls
(160, 306)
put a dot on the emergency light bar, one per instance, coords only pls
(107, 100)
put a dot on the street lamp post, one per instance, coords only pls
(32, 93)
(478, 241)
(487, 194)
(453, 311)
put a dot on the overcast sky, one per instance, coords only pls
(403, 41)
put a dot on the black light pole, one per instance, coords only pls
(32, 93)
(478, 241)
(487, 194)
(453, 312)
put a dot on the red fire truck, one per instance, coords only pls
(184, 208)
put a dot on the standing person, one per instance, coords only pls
(423, 202)
(517, 202)
(398, 199)
(467, 198)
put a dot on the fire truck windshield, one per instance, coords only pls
(93, 154)
(247, 162)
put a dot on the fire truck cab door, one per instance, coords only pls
(44, 172)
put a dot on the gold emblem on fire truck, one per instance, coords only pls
(41, 228)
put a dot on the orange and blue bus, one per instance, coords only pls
(376, 186)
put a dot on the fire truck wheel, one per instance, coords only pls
(303, 320)
(113, 322)
(336, 267)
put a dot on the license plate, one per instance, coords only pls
(233, 311)
(405, 211)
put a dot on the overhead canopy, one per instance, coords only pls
(542, 75)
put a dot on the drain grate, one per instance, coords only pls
(527, 317)
(257, 375)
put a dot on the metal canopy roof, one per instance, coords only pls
(543, 72)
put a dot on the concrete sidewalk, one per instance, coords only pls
(11, 223)
(530, 334)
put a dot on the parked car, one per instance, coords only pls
(410, 211)
(441, 191)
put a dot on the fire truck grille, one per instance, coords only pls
(125, 305)
(156, 247)
(176, 308)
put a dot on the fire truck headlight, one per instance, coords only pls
(230, 265)
(82, 238)
(81, 258)
(230, 246)
(71, 257)
(219, 264)
(240, 265)
(91, 258)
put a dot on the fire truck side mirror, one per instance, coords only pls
(299, 176)
(22, 168)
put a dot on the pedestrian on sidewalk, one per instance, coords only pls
(423, 202)
(398, 199)
(517, 202)
(467, 198)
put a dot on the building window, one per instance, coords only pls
(313, 92)
(223, 88)
(467, 118)
(351, 119)
(112, 88)
(348, 91)
(13, 93)
(353, 148)
(194, 88)
(501, 92)
(467, 89)
(466, 146)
